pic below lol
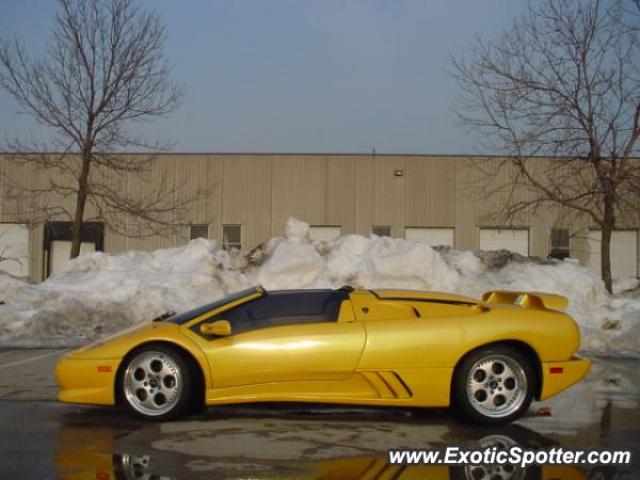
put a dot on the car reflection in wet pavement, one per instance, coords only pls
(86, 452)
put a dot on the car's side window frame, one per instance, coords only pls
(339, 298)
(206, 317)
(250, 294)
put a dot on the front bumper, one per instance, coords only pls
(558, 376)
(87, 380)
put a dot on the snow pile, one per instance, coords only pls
(101, 293)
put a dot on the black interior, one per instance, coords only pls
(279, 308)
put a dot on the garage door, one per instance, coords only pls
(512, 239)
(430, 235)
(624, 253)
(60, 251)
(322, 232)
(14, 248)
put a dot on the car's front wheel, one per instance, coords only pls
(493, 385)
(156, 383)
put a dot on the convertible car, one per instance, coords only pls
(487, 359)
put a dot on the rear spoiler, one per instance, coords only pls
(548, 301)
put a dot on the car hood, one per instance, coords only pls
(118, 345)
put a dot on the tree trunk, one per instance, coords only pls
(605, 244)
(81, 200)
(605, 258)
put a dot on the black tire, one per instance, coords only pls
(156, 383)
(496, 398)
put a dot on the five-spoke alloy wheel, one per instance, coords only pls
(493, 385)
(156, 383)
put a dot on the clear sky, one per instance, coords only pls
(301, 75)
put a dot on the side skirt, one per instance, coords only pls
(427, 387)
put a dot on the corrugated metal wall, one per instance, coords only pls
(356, 192)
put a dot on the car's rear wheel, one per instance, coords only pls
(156, 383)
(493, 385)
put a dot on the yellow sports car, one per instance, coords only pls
(486, 358)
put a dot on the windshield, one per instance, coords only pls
(196, 312)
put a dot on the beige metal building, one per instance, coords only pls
(427, 198)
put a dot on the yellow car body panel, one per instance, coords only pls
(87, 380)
(557, 375)
(88, 375)
(387, 347)
(292, 353)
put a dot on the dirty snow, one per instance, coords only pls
(99, 293)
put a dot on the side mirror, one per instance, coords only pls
(221, 328)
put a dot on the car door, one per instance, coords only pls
(285, 337)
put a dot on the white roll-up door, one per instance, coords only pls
(60, 251)
(624, 253)
(14, 249)
(322, 232)
(512, 239)
(430, 235)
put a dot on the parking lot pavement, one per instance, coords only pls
(28, 374)
(40, 438)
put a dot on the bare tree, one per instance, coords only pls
(6, 255)
(563, 83)
(104, 71)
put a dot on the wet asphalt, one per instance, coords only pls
(40, 438)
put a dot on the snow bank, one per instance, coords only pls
(98, 293)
